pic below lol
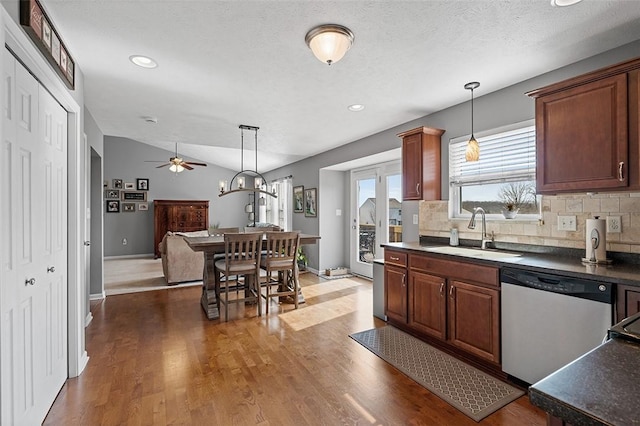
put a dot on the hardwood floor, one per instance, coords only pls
(155, 359)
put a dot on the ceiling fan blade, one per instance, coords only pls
(191, 163)
(186, 166)
(163, 165)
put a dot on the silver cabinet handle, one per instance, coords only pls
(404, 276)
(441, 289)
(394, 258)
(418, 188)
(620, 173)
(51, 269)
(451, 295)
(31, 281)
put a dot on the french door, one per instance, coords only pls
(376, 214)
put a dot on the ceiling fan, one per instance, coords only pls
(177, 164)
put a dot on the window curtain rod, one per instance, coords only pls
(281, 178)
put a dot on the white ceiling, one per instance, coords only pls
(225, 63)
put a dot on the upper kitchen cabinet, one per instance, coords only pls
(587, 135)
(421, 164)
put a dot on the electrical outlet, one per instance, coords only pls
(415, 219)
(614, 224)
(566, 223)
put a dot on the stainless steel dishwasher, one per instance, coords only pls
(550, 320)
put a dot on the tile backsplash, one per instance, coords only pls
(434, 221)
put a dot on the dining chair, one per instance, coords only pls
(280, 257)
(241, 258)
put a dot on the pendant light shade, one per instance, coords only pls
(329, 43)
(473, 148)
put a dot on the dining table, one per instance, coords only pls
(214, 245)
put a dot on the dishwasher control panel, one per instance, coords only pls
(586, 289)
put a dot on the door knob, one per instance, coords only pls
(31, 281)
(87, 243)
(51, 269)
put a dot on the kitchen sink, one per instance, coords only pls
(473, 252)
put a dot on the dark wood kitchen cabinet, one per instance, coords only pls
(421, 164)
(395, 288)
(587, 131)
(176, 216)
(428, 304)
(627, 301)
(474, 319)
(454, 302)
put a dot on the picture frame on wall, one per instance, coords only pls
(134, 195)
(117, 183)
(129, 185)
(112, 194)
(143, 207)
(310, 202)
(298, 199)
(142, 184)
(129, 207)
(112, 206)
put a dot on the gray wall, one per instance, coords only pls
(331, 226)
(500, 108)
(125, 159)
(95, 137)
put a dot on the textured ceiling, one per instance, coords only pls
(225, 63)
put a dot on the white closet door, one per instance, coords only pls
(34, 296)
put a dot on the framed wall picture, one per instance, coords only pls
(143, 207)
(129, 185)
(298, 199)
(310, 202)
(113, 206)
(117, 183)
(134, 195)
(112, 194)
(142, 184)
(128, 207)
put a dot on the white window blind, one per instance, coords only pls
(506, 155)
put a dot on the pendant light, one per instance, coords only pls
(330, 42)
(473, 149)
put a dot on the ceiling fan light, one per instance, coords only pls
(176, 168)
(329, 43)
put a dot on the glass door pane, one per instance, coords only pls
(394, 211)
(364, 222)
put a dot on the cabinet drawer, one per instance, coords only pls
(454, 269)
(395, 258)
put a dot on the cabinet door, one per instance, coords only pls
(412, 167)
(395, 293)
(428, 304)
(581, 137)
(628, 301)
(474, 319)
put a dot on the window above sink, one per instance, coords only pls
(504, 176)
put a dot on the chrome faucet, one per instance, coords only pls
(472, 225)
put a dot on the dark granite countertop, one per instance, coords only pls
(600, 388)
(562, 261)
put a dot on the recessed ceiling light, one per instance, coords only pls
(355, 107)
(563, 3)
(143, 61)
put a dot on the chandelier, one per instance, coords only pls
(473, 148)
(238, 183)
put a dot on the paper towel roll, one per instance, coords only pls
(596, 231)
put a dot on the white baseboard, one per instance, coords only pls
(130, 256)
(97, 296)
(88, 319)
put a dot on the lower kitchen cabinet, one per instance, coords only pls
(474, 319)
(452, 302)
(395, 293)
(428, 304)
(627, 301)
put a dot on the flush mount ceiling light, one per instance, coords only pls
(355, 107)
(329, 42)
(143, 61)
(563, 3)
(473, 149)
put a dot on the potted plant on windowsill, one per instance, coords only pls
(514, 195)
